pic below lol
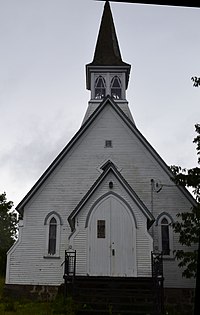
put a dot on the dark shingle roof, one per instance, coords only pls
(107, 52)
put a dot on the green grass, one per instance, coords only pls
(1, 287)
(60, 306)
(35, 308)
(10, 306)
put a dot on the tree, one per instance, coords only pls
(196, 81)
(8, 229)
(189, 225)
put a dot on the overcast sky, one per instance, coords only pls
(44, 46)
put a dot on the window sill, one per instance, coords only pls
(51, 257)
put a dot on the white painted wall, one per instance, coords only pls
(142, 241)
(67, 185)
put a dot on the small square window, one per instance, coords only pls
(108, 143)
(101, 228)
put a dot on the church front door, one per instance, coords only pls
(112, 239)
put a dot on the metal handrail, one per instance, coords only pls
(157, 275)
(70, 264)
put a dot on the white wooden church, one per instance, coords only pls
(108, 194)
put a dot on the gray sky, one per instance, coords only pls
(44, 46)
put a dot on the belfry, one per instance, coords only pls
(107, 74)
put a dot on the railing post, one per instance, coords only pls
(69, 270)
(157, 275)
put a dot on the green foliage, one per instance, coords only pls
(60, 306)
(11, 307)
(1, 287)
(64, 306)
(188, 227)
(8, 229)
(196, 81)
(174, 310)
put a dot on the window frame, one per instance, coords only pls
(117, 88)
(47, 223)
(108, 77)
(101, 88)
(101, 229)
(52, 236)
(165, 236)
(159, 224)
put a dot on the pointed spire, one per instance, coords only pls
(107, 68)
(107, 52)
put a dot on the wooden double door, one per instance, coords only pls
(111, 239)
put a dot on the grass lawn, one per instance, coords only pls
(9, 306)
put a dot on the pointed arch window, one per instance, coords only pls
(52, 224)
(164, 223)
(165, 236)
(116, 88)
(52, 236)
(100, 88)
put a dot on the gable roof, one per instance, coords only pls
(107, 168)
(108, 101)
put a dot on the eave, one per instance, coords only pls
(108, 101)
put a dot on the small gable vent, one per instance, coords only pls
(108, 143)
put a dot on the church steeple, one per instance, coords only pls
(107, 50)
(107, 74)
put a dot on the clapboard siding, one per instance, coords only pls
(70, 181)
(143, 239)
(122, 104)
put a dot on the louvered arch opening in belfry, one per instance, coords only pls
(116, 88)
(100, 88)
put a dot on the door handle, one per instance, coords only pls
(113, 252)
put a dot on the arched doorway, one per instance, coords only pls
(111, 239)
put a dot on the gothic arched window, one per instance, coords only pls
(165, 233)
(52, 224)
(116, 88)
(100, 88)
(165, 237)
(52, 236)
